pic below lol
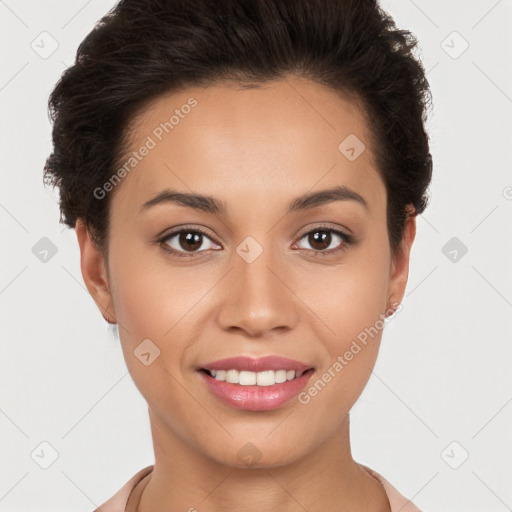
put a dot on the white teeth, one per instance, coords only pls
(232, 376)
(280, 376)
(266, 378)
(246, 378)
(220, 374)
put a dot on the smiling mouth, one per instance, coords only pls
(248, 378)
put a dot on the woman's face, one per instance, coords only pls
(267, 278)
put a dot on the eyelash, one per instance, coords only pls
(347, 241)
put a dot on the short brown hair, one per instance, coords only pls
(141, 50)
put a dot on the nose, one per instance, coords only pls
(258, 297)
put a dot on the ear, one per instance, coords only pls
(94, 272)
(400, 262)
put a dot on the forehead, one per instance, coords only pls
(227, 141)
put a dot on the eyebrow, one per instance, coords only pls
(209, 204)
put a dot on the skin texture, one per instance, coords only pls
(255, 150)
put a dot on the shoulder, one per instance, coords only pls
(118, 502)
(397, 501)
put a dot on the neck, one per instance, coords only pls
(184, 479)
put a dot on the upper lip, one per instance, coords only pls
(257, 365)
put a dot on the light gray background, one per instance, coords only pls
(444, 372)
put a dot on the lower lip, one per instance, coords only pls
(256, 398)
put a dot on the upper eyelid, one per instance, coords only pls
(185, 229)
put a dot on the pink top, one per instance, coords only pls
(118, 502)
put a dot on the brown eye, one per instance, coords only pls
(321, 240)
(187, 241)
(190, 241)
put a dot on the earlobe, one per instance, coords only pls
(94, 272)
(400, 263)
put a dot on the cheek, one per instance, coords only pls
(351, 308)
(156, 301)
(149, 295)
(347, 299)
